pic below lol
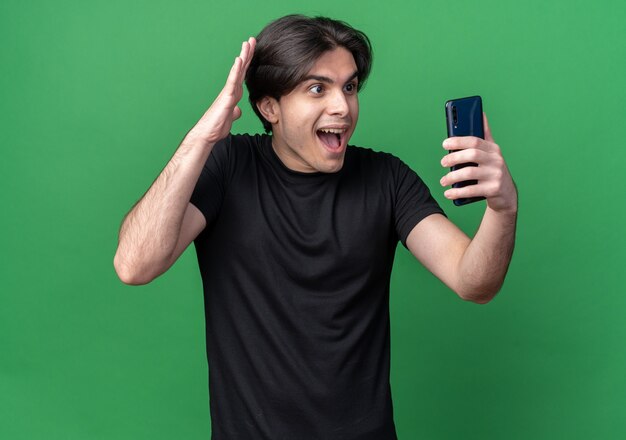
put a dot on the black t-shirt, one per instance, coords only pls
(296, 270)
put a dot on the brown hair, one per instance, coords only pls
(288, 47)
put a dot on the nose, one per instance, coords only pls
(338, 104)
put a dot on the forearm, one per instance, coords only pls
(485, 262)
(150, 231)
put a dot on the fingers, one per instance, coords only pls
(477, 190)
(251, 46)
(467, 142)
(240, 61)
(236, 113)
(486, 165)
(247, 51)
(217, 121)
(493, 179)
(488, 173)
(238, 70)
(488, 182)
(233, 76)
(463, 156)
(467, 173)
(488, 187)
(488, 136)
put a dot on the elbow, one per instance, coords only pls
(479, 296)
(480, 299)
(127, 275)
(478, 290)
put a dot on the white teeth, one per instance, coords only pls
(333, 130)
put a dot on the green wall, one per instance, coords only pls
(96, 96)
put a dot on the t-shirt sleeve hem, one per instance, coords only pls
(210, 187)
(415, 219)
(198, 207)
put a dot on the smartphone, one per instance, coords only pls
(464, 117)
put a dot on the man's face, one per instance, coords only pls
(317, 118)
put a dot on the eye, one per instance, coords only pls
(350, 87)
(316, 89)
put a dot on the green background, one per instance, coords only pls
(95, 98)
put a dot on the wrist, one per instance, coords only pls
(194, 143)
(503, 215)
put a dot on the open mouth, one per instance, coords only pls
(331, 137)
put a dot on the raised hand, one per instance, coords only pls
(217, 121)
(494, 180)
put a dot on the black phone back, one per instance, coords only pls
(464, 117)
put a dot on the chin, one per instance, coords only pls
(331, 166)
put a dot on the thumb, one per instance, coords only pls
(488, 136)
(236, 113)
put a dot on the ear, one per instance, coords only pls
(269, 108)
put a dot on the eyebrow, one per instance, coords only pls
(326, 79)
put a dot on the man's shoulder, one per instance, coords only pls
(236, 146)
(252, 137)
(246, 139)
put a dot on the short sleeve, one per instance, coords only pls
(413, 200)
(212, 184)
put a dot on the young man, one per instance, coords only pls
(296, 233)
